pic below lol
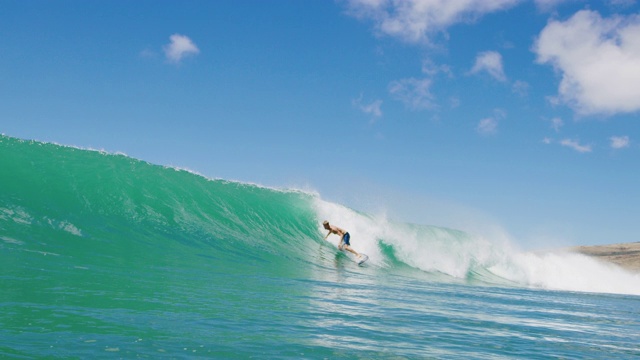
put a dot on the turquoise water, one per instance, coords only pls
(105, 256)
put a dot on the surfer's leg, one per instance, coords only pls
(347, 245)
(351, 250)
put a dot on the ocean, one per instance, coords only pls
(106, 256)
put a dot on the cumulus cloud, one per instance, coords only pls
(417, 21)
(556, 124)
(598, 59)
(547, 5)
(621, 3)
(179, 47)
(148, 53)
(373, 108)
(414, 93)
(489, 125)
(521, 88)
(430, 68)
(575, 145)
(491, 62)
(619, 142)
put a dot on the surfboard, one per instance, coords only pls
(362, 259)
(357, 260)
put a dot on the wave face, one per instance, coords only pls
(103, 256)
(91, 209)
(90, 206)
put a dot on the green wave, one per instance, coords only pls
(98, 208)
(94, 205)
(64, 209)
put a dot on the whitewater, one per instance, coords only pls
(106, 256)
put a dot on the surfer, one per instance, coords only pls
(344, 238)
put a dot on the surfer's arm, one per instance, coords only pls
(327, 235)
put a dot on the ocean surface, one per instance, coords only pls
(105, 256)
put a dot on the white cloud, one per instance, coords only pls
(489, 126)
(575, 145)
(556, 124)
(147, 53)
(521, 88)
(414, 93)
(179, 47)
(619, 142)
(418, 20)
(430, 68)
(599, 60)
(373, 108)
(547, 5)
(491, 62)
(622, 3)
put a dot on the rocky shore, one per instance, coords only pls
(625, 255)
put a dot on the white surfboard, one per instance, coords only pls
(357, 260)
(362, 259)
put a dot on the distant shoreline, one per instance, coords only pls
(625, 255)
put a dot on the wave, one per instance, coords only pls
(92, 209)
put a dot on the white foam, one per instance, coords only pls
(441, 250)
(568, 271)
(456, 253)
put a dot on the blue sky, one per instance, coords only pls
(489, 114)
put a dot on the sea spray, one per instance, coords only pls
(567, 271)
(472, 257)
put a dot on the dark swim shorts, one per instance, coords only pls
(346, 238)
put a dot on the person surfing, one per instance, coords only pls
(344, 238)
